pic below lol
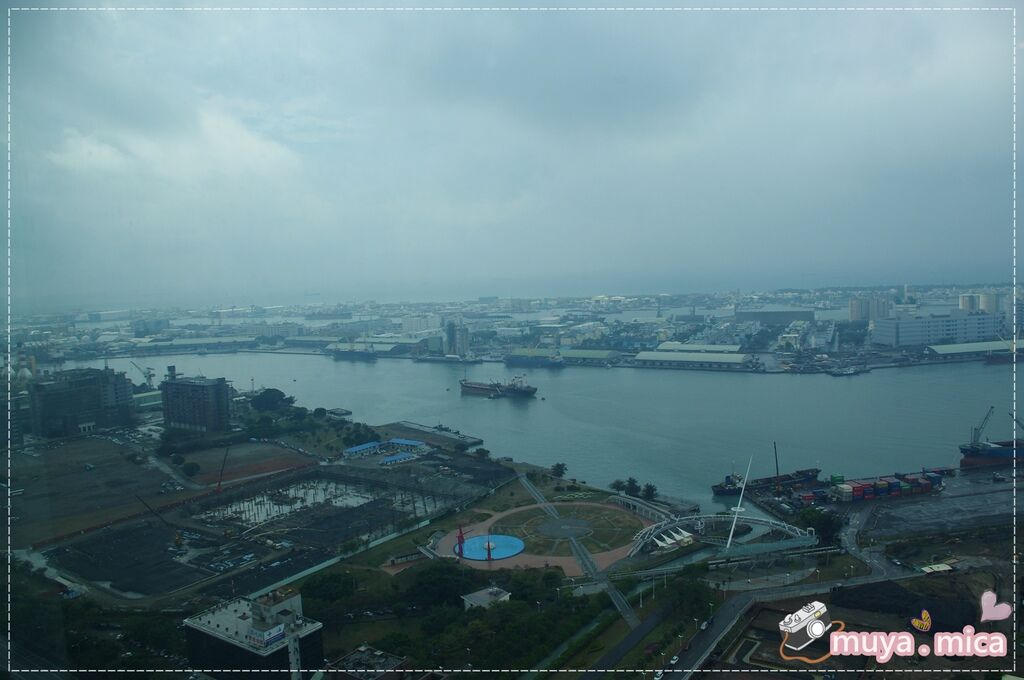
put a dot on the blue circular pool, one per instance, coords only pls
(502, 546)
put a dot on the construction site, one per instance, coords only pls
(243, 535)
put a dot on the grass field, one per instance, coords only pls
(609, 528)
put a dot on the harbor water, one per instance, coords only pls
(681, 430)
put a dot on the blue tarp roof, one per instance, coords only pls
(362, 447)
(397, 458)
(407, 442)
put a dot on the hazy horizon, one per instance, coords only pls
(229, 158)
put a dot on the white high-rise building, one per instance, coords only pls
(954, 327)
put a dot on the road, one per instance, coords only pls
(735, 606)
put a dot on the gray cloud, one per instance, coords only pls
(229, 158)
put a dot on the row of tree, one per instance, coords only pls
(631, 487)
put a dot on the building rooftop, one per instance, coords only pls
(696, 357)
(971, 347)
(485, 597)
(369, 446)
(199, 380)
(694, 347)
(233, 622)
(406, 442)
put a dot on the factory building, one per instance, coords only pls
(980, 302)
(870, 308)
(78, 401)
(251, 634)
(672, 346)
(199, 404)
(936, 329)
(703, 361)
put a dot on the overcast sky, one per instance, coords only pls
(234, 158)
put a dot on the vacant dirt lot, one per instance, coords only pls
(61, 496)
(245, 461)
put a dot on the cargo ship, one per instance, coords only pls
(516, 387)
(977, 453)
(980, 454)
(733, 483)
(519, 361)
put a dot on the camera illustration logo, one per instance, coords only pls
(806, 625)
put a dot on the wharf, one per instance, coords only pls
(431, 435)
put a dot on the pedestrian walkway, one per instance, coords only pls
(585, 560)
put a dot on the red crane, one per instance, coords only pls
(222, 464)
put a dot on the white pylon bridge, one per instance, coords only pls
(668, 532)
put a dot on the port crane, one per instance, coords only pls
(1017, 420)
(148, 373)
(976, 431)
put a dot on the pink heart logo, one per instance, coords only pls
(991, 611)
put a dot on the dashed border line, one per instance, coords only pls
(10, 559)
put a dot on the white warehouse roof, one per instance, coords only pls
(672, 346)
(693, 357)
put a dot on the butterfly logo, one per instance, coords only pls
(923, 624)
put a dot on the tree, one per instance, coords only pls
(649, 492)
(178, 459)
(632, 487)
(264, 427)
(461, 447)
(319, 412)
(483, 454)
(558, 470)
(191, 468)
(617, 485)
(270, 399)
(825, 524)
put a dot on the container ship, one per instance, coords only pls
(516, 387)
(733, 483)
(977, 453)
(980, 454)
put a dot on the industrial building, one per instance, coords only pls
(199, 404)
(969, 350)
(980, 302)
(672, 346)
(936, 329)
(706, 361)
(249, 634)
(80, 400)
(870, 308)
